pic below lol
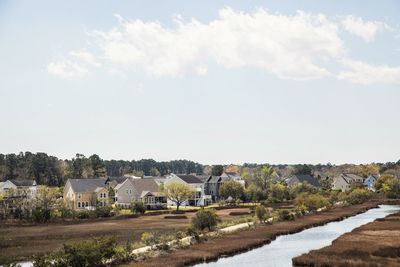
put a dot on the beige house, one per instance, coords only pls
(86, 193)
(343, 181)
(146, 190)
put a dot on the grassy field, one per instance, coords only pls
(22, 242)
(374, 244)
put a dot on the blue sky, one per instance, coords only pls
(211, 81)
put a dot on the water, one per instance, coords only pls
(281, 251)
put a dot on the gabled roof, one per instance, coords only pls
(24, 182)
(87, 185)
(203, 178)
(190, 179)
(301, 178)
(214, 179)
(147, 184)
(350, 177)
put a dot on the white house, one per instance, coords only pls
(26, 187)
(199, 198)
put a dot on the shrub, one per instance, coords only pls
(149, 238)
(285, 215)
(262, 214)
(103, 211)
(92, 252)
(138, 207)
(205, 219)
(312, 202)
(358, 196)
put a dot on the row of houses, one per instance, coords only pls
(88, 193)
(92, 192)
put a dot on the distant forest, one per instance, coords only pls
(50, 170)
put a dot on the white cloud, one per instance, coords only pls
(85, 57)
(364, 73)
(289, 47)
(201, 71)
(367, 30)
(66, 69)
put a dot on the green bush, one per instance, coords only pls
(41, 215)
(312, 202)
(83, 214)
(103, 211)
(138, 207)
(262, 214)
(285, 215)
(205, 219)
(358, 196)
(88, 253)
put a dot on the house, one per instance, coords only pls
(26, 188)
(86, 193)
(370, 181)
(146, 190)
(199, 198)
(343, 181)
(214, 183)
(233, 176)
(302, 178)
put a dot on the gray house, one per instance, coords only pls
(146, 190)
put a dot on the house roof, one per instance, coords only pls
(350, 177)
(148, 184)
(301, 178)
(155, 194)
(24, 182)
(190, 179)
(87, 185)
(203, 178)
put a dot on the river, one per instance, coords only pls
(279, 253)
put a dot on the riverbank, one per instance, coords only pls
(374, 244)
(231, 244)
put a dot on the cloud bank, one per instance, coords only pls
(294, 47)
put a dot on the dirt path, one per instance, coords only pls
(374, 244)
(18, 243)
(245, 240)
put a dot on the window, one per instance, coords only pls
(87, 204)
(79, 195)
(126, 191)
(130, 191)
(79, 204)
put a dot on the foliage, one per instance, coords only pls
(255, 194)
(261, 177)
(278, 193)
(88, 253)
(311, 201)
(302, 169)
(205, 219)
(358, 195)
(326, 184)
(231, 189)
(138, 207)
(178, 192)
(104, 211)
(217, 170)
(262, 213)
(302, 188)
(389, 185)
(285, 215)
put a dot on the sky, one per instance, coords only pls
(210, 81)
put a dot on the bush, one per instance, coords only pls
(205, 219)
(41, 215)
(262, 214)
(103, 212)
(138, 207)
(285, 215)
(358, 196)
(312, 202)
(92, 252)
(149, 238)
(83, 214)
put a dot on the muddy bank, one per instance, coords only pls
(243, 241)
(374, 244)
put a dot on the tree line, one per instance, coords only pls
(52, 171)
